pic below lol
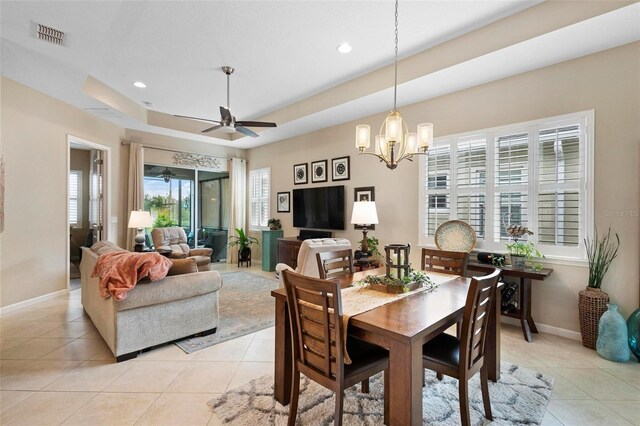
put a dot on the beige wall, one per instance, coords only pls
(608, 82)
(34, 134)
(79, 160)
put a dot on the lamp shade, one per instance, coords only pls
(364, 213)
(140, 219)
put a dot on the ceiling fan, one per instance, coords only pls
(227, 122)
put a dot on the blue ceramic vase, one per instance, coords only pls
(613, 338)
(633, 328)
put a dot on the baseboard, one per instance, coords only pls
(549, 329)
(29, 302)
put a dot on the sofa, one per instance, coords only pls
(175, 239)
(307, 263)
(153, 313)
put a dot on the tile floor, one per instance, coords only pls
(55, 369)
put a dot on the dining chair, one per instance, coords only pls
(315, 312)
(334, 264)
(463, 357)
(446, 262)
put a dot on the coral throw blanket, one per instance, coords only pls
(119, 271)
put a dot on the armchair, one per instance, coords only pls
(307, 263)
(175, 239)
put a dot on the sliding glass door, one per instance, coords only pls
(202, 210)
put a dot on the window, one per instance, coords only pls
(259, 198)
(75, 198)
(534, 174)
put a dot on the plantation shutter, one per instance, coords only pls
(259, 190)
(75, 198)
(471, 178)
(511, 183)
(438, 187)
(559, 171)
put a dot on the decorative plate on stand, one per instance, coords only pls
(455, 235)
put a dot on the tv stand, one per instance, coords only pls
(288, 249)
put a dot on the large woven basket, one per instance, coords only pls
(592, 303)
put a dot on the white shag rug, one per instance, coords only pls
(520, 397)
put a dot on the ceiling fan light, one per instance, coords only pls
(363, 136)
(228, 129)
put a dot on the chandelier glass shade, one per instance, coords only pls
(394, 142)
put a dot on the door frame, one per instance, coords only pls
(106, 192)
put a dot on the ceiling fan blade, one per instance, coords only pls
(196, 118)
(225, 114)
(246, 131)
(212, 128)
(255, 124)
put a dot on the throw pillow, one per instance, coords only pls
(183, 266)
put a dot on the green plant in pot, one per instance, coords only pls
(524, 254)
(243, 242)
(372, 245)
(274, 224)
(592, 301)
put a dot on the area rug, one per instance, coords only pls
(246, 306)
(520, 397)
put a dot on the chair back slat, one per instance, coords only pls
(475, 322)
(334, 264)
(315, 311)
(447, 262)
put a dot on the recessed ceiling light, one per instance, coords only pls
(344, 48)
(140, 84)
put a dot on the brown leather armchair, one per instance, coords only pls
(175, 239)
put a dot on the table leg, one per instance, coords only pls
(525, 308)
(532, 324)
(283, 358)
(405, 374)
(492, 344)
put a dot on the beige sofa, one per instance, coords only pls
(154, 312)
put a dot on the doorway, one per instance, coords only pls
(86, 197)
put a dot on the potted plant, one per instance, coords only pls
(243, 242)
(592, 301)
(274, 224)
(523, 255)
(372, 246)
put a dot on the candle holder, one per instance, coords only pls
(397, 259)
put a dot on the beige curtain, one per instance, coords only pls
(238, 204)
(135, 199)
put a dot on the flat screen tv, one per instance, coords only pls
(319, 208)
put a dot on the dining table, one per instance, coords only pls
(402, 327)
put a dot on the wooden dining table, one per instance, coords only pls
(402, 327)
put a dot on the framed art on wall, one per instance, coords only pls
(340, 168)
(283, 202)
(300, 174)
(319, 171)
(366, 193)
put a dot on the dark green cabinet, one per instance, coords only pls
(270, 249)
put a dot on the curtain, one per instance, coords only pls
(135, 198)
(238, 204)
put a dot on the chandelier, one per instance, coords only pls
(394, 142)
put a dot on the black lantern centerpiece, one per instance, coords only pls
(397, 259)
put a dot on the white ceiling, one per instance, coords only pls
(283, 51)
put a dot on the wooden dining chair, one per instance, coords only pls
(446, 262)
(315, 312)
(463, 357)
(334, 264)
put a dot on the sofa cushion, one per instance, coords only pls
(183, 266)
(170, 289)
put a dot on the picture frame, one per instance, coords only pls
(340, 168)
(365, 193)
(300, 174)
(319, 171)
(283, 202)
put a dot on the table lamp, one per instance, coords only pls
(140, 220)
(364, 214)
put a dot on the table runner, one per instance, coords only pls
(358, 300)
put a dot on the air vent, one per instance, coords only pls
(49, 34)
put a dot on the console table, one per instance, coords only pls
(524, 291)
